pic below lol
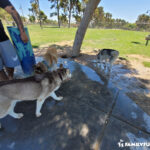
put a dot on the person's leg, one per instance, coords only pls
(9, 56)
(3, 75)
(10, 72)
(8, 53)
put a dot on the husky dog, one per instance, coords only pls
(18, 90)
(40, 68)
(49, 62)
(107, 56)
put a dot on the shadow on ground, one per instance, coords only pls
(121, 75)
(134, 42)
(49, 26)
(63, 51)
(72, 123)
(35, 46)
(95, 109)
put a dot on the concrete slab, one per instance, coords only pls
(88, 86)
(127, 110)
(75, 122)
(85, 84)
(61, 127)
(119, 136)
(72, 124)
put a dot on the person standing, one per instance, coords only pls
(8, 56)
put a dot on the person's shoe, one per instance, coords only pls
(10, 72)
(3, 76)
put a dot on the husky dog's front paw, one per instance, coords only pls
(38, 114)
(19, 115)
(59, 98)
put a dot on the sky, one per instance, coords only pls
(128, 10)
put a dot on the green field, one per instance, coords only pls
(146, 64)
(126, 42)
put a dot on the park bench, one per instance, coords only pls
(147, 39)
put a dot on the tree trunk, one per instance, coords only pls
(91, 6)
(70, 8)
(69, 19)
(58, 17)
(39, 13)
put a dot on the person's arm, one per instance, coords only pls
(11, 10)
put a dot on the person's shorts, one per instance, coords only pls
(8, 55)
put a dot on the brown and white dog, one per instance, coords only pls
(51, 57)
(50, 62)
(30, 88)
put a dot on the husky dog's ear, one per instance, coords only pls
(61, 66)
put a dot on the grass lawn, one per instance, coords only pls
(126, 42)
(146, 64)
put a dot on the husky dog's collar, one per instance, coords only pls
(60, 76)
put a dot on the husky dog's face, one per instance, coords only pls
(64, 73)
(40, 68)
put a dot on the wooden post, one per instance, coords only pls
(146, 42)
(147, 39)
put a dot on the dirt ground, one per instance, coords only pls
(128, 74)
(133, 62)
